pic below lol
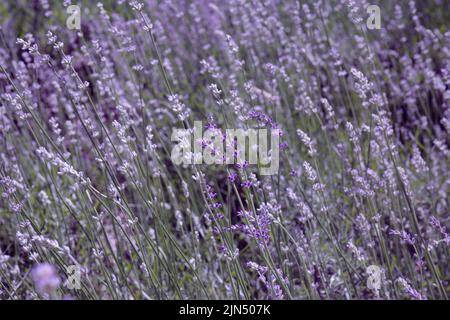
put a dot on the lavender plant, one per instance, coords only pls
(87, 181)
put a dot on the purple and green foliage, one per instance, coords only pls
(87, 180)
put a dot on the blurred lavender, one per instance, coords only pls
(45, 278)
(86, 178)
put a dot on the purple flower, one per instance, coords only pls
(246, 184)
(232, 177)
(45, 278)
(410, 291)
(284, 145)
(405, 236)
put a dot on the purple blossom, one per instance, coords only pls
(45, 278)
(88, 135)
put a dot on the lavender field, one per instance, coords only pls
(94, 206)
